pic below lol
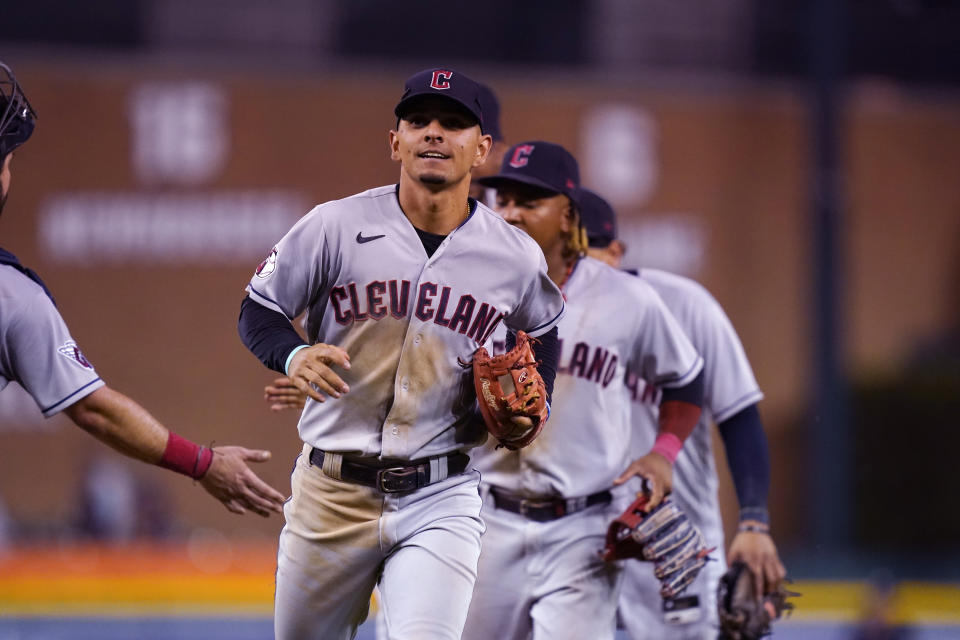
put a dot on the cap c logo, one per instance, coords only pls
(441, 79)
(521, 156)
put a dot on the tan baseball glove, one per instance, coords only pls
(511, 393)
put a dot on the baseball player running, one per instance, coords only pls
(730, 399)
(399, 284)
(547, 506)
(281, 394)
(38, 352)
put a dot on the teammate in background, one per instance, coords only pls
(38, 352)
(491, 113)
(547, 506)
(730, 399)
(282, 394)
(397, 288)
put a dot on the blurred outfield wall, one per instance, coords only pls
(148, 195)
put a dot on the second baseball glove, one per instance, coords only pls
(744, 615)
(663, 535)
(511, 393)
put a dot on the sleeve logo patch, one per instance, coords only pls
(72, 352)
(269, 265)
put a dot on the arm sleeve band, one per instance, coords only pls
(186, 457)
(547, 352)
(268, 334)
(691, 393)
(749, 459)
(679, 414)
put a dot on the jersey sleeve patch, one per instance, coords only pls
(71, 352)
(268, 266)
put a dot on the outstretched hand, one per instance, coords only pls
(233, 483)
(656, 470)
(311, 371)
(282, 394)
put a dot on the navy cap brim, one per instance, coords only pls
(403, 105)
(599, 241)
(501, 179)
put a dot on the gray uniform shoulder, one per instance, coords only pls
(370, 195)
(18, 292)
(729, 379)
(36, 348)
(335, 209)
(497, 230)
(680, 291)
(638, 289)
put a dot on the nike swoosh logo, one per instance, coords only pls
(362, 240)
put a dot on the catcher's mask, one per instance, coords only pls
(17, 117)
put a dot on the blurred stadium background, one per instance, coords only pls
(799, 158)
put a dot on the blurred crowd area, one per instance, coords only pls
(177, 141)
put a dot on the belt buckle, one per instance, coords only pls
(397, 479)
(524, 503)
(527, 508)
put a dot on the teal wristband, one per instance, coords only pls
(286, 365)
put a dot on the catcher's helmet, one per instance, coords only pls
(17, 117)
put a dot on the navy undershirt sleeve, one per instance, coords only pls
(547, 352)
(267, 333)
(691, 393)
(749, 459)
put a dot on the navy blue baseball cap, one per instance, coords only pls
(446, 83)
(598, 218)
(540, 164)
(491, 113)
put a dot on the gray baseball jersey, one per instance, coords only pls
(36, 349)
(547, 578)
(359, 270)
(729, 387)
(614, 321)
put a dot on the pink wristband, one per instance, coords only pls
(668, 445)
(186, 457)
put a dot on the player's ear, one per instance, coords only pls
(569, 216)
(618, 249)
(7, 179)
(483, 149)
(394, 142)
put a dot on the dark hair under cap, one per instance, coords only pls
(598, 217)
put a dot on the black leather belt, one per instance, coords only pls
(545, 510)
(388, 478)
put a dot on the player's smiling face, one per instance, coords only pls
(437, 143)
(544, 215)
